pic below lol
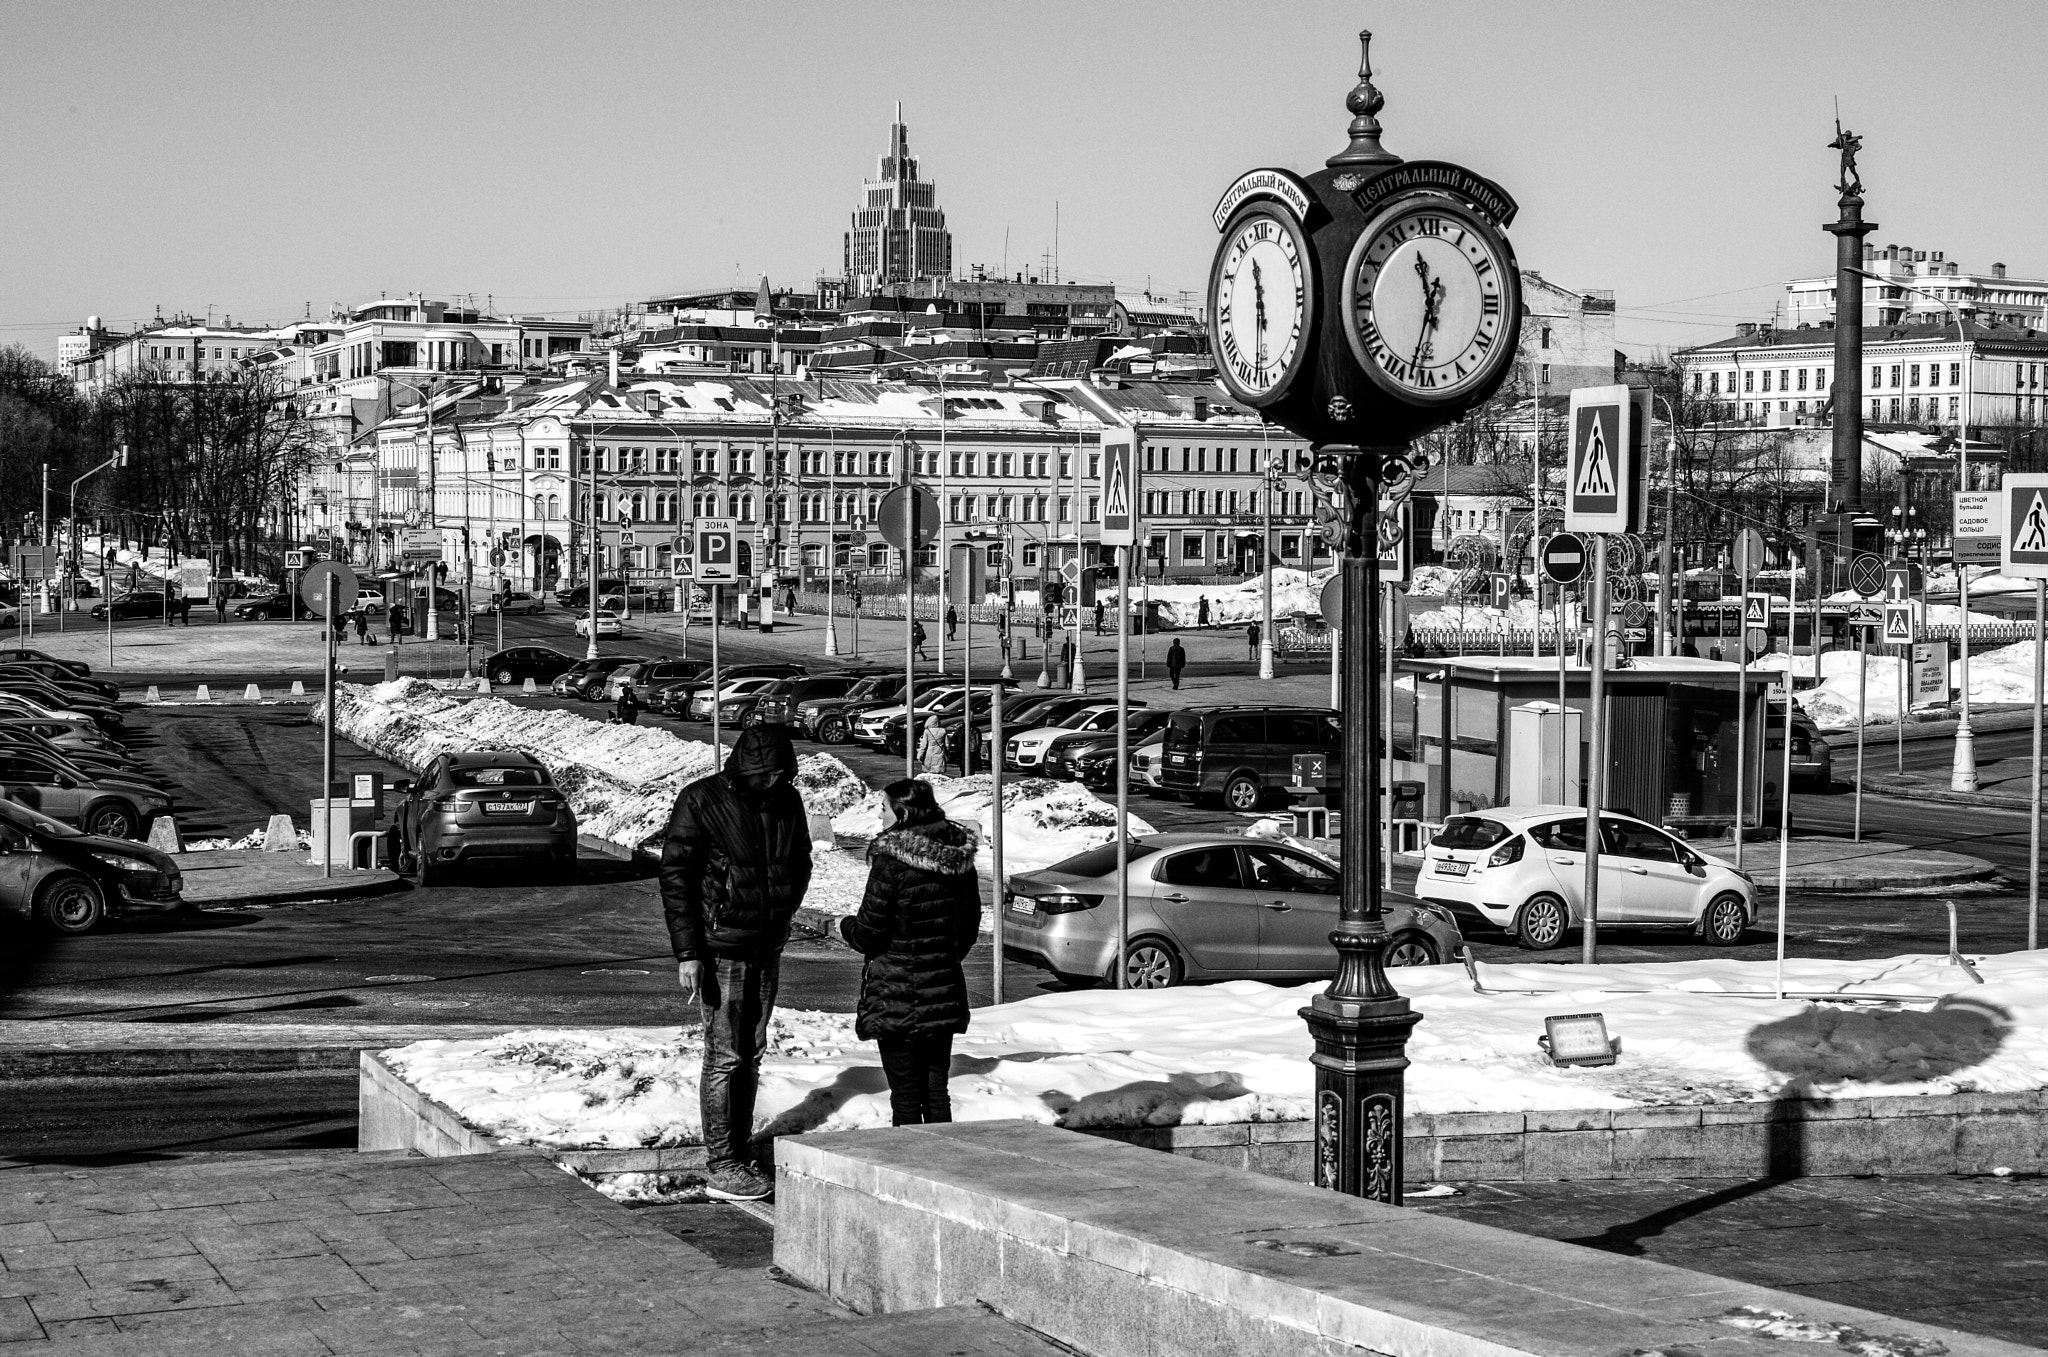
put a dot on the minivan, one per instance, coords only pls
(1241, 754)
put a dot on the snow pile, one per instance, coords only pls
(1483, 618)
(2001, 676)
(1180, 605)
(1239, 1051)
(621, 780)
(1433, 581)
(253, 839)
(1043, 821)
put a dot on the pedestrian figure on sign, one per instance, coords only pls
(1176, 660)
(917, 640)
(918, 920)
(1251, 636)
(735, 864)
(931, 750)
(628, 710)
(1098, 617)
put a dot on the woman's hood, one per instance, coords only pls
(943, 848)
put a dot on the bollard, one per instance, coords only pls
(204, 696)
(152, 695)
(164, 835)
(391, 664)
(298, 688)
(529, 689)
(279, 836)
(483, 683)
(252, 694)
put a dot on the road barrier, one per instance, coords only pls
(204, 695)
(252, 693)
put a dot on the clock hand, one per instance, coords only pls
(1258, 295)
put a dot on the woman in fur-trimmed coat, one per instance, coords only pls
(918, 920)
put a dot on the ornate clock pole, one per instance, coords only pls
(1361, 306)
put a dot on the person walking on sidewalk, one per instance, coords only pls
(1098, 617)
(220, 601)
(917, 639)
(627, 712)
(919, 918)
(952, 623)
(1176, 660)
(1202, 611)
(362, 621)
(735, 864)
(397, 623)
(1251, 636)
(931, 750)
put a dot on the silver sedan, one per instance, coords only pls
(1203, 907)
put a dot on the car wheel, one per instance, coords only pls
(109, 819)
(431, 872)
(1543, 923)
(503, 679)
(71, 905)
(832, 730)
(1725, 920)
(1242, 793)
(1150, 963)
(1411, 949)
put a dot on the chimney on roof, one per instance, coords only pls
(1998, 270)
(1201, 409)
(1747, 329)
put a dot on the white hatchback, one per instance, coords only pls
(1523, 868)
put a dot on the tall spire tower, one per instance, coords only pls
(898, 233)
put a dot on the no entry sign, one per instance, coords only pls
(1564, 558)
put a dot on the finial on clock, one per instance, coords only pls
(1364, 101)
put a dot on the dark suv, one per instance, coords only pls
(586, 678)
(675, 697)
(778, 705)
(829, 720)
(494, 804)
(1240, 754)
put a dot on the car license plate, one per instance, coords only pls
(505, 807)
(1446, 867)
(1022, 904)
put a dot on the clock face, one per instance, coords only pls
(1261, 304)
(1431, 301)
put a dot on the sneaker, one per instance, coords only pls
(738, 1183)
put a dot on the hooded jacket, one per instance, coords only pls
(737, 857)
(918, 920)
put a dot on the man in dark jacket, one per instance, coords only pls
(734, 867)
(1176, 660)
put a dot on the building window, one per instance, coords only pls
(1955, 373)
(1191, 546)
(1895, 409)
(1955, 406)
(1546, 337)
(1913, 410)
(1749, 382)
(1802, 379)
(1546, 374)
(1876, 376)
(1699, 381)
(1913, 375)
(1290, 546)
(1874, 411)
(1895, 375)
(1094, 508)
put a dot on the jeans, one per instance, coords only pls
(737, 996)
(917, 1068)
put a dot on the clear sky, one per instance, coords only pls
(254, 158)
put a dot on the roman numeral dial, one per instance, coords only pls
(1431, 303)
(1261, 303)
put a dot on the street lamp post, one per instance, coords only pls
(1266, 559)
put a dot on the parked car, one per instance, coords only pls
(22, 653)
(778, 705)
(64, 733)
(91, 763)
(607, 624)
(1813, 759)
(1062, 757)
(1202, 907)
(1028, 748)
(882, 727)
(579, 597)
(585, 678)
(14, 702)
(829, 720)
(516, 664)
(116, 807)
(371, 601)
(735, 700)
(71, 882)
(1523, 868)
(648, 675)
(1240, 754)
(1029, 710)
(275, 608)
(137, 603)
(483, 805)
(1095, 767)
(515, 601)
(677, 697)
(63, 677)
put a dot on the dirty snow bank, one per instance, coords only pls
(1239, 1052)
(2002, 676)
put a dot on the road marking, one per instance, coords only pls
(396, 979)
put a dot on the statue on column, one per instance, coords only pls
(1848, 143)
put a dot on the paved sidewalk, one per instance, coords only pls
(224, 877)
(73, 1048)
(337, 1253)
(1968, 1253)
(1821, 864)
(1995, 792)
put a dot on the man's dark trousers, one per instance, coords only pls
(737, 996)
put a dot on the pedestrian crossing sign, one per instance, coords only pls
(1119, 488)
(2026, 526)
(1603, 444)
(1898, 622)
(1756, 610)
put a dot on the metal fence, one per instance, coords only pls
(1299, 642)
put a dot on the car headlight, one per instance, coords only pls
(124, 864)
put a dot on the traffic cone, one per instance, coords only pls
(252, 694)
(528, 688)
(204, 696)
(152, 695)
(483, 683)
(164, 835)
(298, 688)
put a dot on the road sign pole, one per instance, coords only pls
(1862, 689)
(717, 747)
(1589, 928)
(1123, 768)
(2034, 777)
(1785, 778)
(1741, 688)
(326, 743)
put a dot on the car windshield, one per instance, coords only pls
(1099, 861)
(498, 777)
(1470, 831)
(17, 814)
